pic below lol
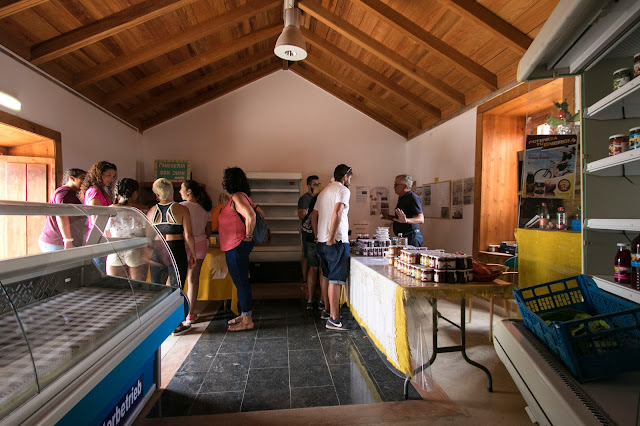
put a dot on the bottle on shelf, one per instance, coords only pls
(544, 216)
(622, 264)
(635, 263)
(576, 223)
(561, 217)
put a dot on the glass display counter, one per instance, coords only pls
(84, 318)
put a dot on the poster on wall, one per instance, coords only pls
(173, 170)
(456, 212)
(549, 169)
(467, 194)
(437, 200)
(362, 194)
(360, 227)
(379, 200)
(456, 193)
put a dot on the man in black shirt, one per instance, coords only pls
(408, 214)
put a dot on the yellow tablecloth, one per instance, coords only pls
(215, 281)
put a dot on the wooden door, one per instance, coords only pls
(23, 179)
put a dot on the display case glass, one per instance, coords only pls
(59, 306)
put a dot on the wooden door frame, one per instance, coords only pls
(54, 136)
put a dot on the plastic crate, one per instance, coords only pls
(592, 355)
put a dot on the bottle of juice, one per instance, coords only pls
(635, 263)
(622, 264)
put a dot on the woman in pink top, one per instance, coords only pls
(96, 189)
(199, 204)
(237, 220)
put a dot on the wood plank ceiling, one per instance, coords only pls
(405, 63)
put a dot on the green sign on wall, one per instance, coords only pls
(173, 170)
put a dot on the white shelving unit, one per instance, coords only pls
(277, 194)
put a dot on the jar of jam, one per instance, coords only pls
(618, 144)
(439, 276)
(427, 275)
(636, 65)
(621, 77)
(634, 138)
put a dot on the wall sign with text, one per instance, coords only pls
(173, 170)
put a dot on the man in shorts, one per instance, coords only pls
(331, 223)
(313, 182)
(312, 258)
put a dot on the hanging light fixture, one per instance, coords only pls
(290, 44)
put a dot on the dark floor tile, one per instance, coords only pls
(322, 396)
(303, 338)
(264, 379)
(187, 384)
(171, 405)
(208, 346)
(271, 328)
(269, 353)
(217, 403)
(302, 319)
(301, 358)
(310, 375)
(213, 334)
(227, 373)
(196, 362)
(354, 385)
(393, 390)
(339, 349)
(266, 400)
(380, 371)
(238, 342)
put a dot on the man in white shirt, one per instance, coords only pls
(331, 225)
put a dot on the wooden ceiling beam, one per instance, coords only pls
(10, 7)
(161, 47)
(102, 28)
(193, 86)
(192, 64)
(364, 92)
(345, 97)
(343, 57)
(474, 11)
(209, 96)
(430, 42)
(385, 54)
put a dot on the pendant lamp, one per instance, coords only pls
(290, 44)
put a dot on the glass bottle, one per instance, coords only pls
(561, 216)
(544, 216)
(635, 263)
(622, 264)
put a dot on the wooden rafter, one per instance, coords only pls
(381, 51)
(10, 7)
(343, 57)
(193, 86)
(161, 47)
(102, 28)
(209, 96)
(474, 11)
(430, 42)
(364, 92)
(192, 64)
(345, 97)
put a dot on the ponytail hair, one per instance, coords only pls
(125, 188)
(199, 193)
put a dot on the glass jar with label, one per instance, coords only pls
(621, 77)
(634, 138)
(618, 144)
(636, 65)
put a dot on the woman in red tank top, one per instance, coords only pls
(237, 220)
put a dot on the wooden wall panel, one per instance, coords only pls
(503, 137)
(37, 179)
(15, 183)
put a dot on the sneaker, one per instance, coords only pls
(340, 324)
(324, 315)
(321, 305)
(190, 320)
(181, 329)
(309, 306)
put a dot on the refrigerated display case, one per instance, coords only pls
(80, 336)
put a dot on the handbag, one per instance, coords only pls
(261, 233)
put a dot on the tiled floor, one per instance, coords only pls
(290, 360)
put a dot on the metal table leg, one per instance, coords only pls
(445, 349)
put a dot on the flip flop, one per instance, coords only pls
(236, 320)
(241, 327)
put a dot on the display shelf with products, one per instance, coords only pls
(277, 195)
(77, 333)
(624, 164)
(619, 104)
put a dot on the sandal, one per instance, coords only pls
(236, 320)
(241, 326)
(190, 319)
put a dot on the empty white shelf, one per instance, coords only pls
(614, 224)
(613, 166)
(621, 103)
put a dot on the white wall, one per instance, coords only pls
(88, 134)
(280, 123)
(447, 153)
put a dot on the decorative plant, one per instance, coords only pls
(563, 117)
